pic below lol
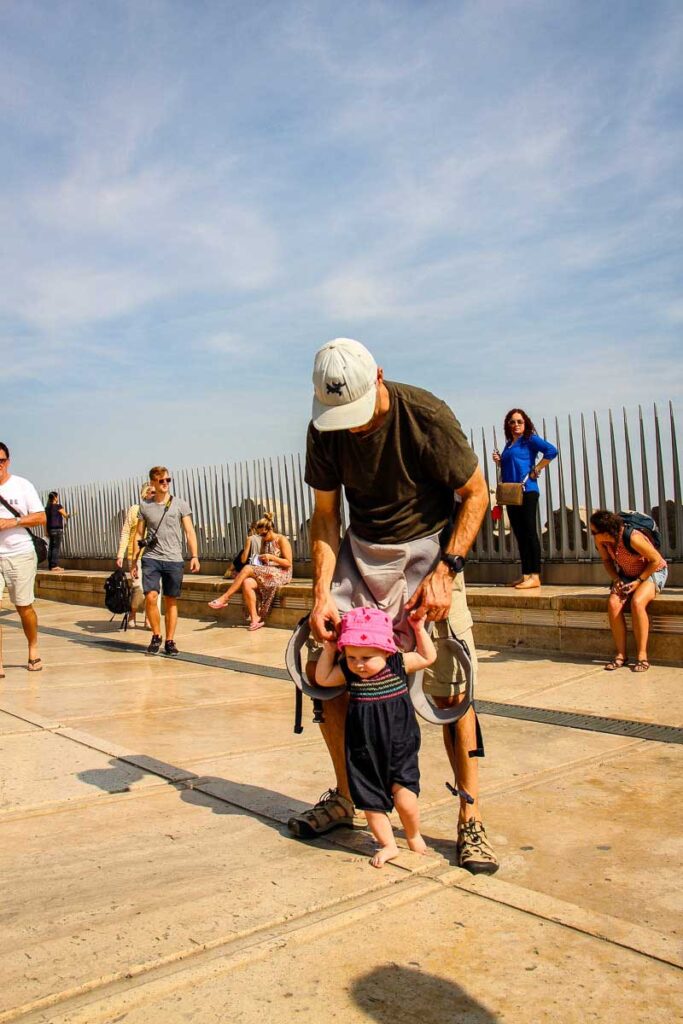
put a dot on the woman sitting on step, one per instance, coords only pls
(260, 583)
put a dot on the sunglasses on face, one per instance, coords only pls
(3, 461)
(516, 421)
(164, 479)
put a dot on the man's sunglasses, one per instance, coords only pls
(3, 461)
(164, 479)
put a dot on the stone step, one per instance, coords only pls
(567, 619)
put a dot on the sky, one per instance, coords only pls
(197, 194)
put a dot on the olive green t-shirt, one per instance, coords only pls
(400, 479)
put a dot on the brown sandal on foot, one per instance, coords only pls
(641, 666)
(35, 664)
(618, 661)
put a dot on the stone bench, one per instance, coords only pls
(568, 619)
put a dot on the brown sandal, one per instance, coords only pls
(641, 666)
(618, 661)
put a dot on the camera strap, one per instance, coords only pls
(155, 532)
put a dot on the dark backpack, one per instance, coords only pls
(639, 521)
(117, 593)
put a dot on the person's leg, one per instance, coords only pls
(335, 806)
(152, 611)
(529, 544)
(20, 574)
(244, 574)
(249, 598)
(645, 593)
(617, 623)
(446, 684)
(29, 622)
(516, 525)
(51, 549)
(405, 802)
(170, 616)
(383, 834)
(533, 541)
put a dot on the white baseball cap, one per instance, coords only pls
(344, 379)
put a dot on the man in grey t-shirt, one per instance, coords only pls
(159, 538)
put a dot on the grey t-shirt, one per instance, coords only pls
(169, 547)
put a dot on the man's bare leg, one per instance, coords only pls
(152, 611)
(458, 741)
(29, 623)
(170, 616)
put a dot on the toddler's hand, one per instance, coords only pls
(417, 622)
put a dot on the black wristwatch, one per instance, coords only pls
(456, 563)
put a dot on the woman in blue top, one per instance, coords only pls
(518, 464)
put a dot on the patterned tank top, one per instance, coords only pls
(390, 682)
(630, 563)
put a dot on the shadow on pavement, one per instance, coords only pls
(392, 992)
(220, 796)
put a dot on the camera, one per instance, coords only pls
(149, 542)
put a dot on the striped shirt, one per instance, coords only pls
(391, 681)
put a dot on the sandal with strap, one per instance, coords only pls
(618, 661)
(641, 666)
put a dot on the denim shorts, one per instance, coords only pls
(168, 574)
(659, 578)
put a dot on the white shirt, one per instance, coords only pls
(21, 495)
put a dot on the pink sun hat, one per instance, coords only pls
(367, 627)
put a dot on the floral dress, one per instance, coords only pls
(269, 578)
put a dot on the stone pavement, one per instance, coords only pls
(148, 876)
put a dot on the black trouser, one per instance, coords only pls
(53, 550)
(523, 523)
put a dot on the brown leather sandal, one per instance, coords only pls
(618, 661)
(641, 666)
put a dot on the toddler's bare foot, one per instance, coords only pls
(417, 844)
(384, 854)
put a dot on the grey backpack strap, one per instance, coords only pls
(297, 674)
(421, 702)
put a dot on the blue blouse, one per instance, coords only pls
(518, 458)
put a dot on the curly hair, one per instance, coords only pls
(607, 522)
(529, 427)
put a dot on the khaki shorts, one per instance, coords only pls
(18, 574)
(445, 677)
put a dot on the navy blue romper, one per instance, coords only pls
(382, 737)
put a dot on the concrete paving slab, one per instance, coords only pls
(39, 769)
(432, 954)
(10, 724)
(582, 837)
(178, 869)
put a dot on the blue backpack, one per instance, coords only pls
(644, 523)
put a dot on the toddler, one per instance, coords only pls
(382, 735)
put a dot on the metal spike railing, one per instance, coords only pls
(225, 499)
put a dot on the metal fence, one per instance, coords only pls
(642, 474)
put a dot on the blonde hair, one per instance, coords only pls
(143, 490)
(266, 522)
(156, 471)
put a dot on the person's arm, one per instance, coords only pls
(191, 538)
(544, 448)
(246, 549)
(284, 561)
(608, 562)
(642, 546)
(326, 672)
(128, 524)
(63, 513)
(433, 596)
(425, 651)
(135, 554)
(325, 541)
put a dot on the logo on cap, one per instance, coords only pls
(335, 387)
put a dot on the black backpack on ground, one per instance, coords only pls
(117, 595)
(644, 523)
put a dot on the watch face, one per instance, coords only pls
(454, 562)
